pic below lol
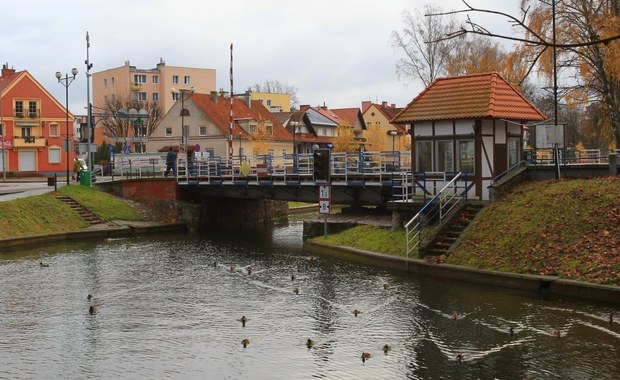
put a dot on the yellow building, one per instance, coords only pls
(272, 101)
(152, 85)
(380, 134)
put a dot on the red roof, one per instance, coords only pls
(219, 112)
(475, 96)
(349, 114)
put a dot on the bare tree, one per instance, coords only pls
(118, 124)
(578, 36)
(277, 87)
(421, 43)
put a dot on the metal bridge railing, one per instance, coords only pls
(435, 210)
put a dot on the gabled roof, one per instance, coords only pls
(11, 80)
(219, 112)
(316, 117)
(351, 115)
(485, 95)
(387, 111)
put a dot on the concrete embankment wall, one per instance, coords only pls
(546, 286)
(118, 231)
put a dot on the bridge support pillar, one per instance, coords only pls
(397, 220)
(613, 164)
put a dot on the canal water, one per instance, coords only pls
(172, 307)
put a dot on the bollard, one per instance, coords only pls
(613, 164)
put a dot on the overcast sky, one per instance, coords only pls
(335, 52)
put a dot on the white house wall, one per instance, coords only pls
(487, 127)
(487, 151)
(423, 129)
(444, 127)
(464, 127)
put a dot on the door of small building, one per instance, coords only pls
(27, 160)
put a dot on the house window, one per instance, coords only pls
(186, 79)
(141, 96)
(202, 130)
(54, 155)
(105, 98)
(445, 156)
(54, 128)
(283, 152)
(424, 156)
(269, 102)
(156, 97)
(513, 152)
(269, 129)
(112, 81)
(19, 108)
(175, 79)
(252, 129)
(139, 79)
(1, 129)
(168, 132)
(466, 156)
(32, 109)
(155, 79)
(105, 82)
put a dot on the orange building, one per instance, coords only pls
(34, 127)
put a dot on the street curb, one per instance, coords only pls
(546, 286)
(120, 231)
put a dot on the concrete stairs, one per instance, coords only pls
(451, 232)
(83, 212)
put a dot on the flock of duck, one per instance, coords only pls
(311, 343)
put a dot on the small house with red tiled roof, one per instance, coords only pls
(207, 125)
(34, 127)
(472, 124)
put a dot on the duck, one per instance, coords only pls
(309, 343)
(387, 348)
(557, 334)
(89, 297)
(296, 290)
(292, 277)
(232, 269)
(245, 342)
(43, 265)
(243, 320)
(356, 312)
(92, 309)
(249, 271)
(365, 356)
(386, 286)
(456, 316)
(460, 357)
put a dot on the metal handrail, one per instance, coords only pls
(416, 227)
(509, 170)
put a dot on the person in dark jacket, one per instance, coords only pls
(171, 162)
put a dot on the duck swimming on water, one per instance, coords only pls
(356, 312)
(365, 356)
(245, 342)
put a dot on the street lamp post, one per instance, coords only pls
(184, 94)
(66, 81)
(393, 133)
(295, 124)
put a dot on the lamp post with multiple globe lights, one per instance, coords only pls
(66, 81)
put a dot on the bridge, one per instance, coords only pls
(360, 178)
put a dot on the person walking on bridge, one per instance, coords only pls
(171, 162)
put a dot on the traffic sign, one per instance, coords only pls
(325, 198)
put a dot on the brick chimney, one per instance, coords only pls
(366, 105)
(6, 71)
(384, 104)
(213, 96)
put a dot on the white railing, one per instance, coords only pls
(436, 209)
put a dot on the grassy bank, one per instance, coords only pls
(568, 228)
(44, 214)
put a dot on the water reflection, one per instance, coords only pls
(163, 309)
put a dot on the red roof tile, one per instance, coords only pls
(485, 95)
(219, 112)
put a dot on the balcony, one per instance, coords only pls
(29, 142)
(34, 114)
(136, 86)
(19, 114)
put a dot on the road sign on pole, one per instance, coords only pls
(325, 193)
